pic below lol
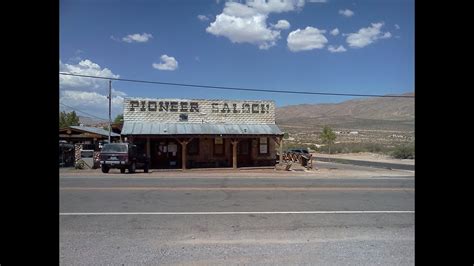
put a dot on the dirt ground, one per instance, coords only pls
(321, 170)
(367, 156)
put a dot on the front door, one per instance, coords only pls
(165, 154)
(244, 153)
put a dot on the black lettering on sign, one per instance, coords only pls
(152, 106)
(214, 108)
(184, 106)
(235, 108)
(164, 106)
(173, 106)
(133, 104)
(268, 108)
(194, 107)
(225, 109)
(262, 108)
(255, 108)
(245, 108)
(143, 106)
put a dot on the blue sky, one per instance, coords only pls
(282, 45)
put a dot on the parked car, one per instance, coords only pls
(123, 156)
(299, 150)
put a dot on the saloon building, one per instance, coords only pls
(183, 133)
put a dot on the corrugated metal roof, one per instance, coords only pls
(157, 128)
(96, 130)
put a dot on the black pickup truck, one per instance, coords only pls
(123, 156)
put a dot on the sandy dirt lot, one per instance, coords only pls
(367, 156)
(321, 170)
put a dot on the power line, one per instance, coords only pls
(75, 109)
(238, 88)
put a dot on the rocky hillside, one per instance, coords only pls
(394, 114)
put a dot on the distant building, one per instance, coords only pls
(86, 135)
(86, 140)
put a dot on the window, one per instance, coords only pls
(219, 146)
(263, 146)
(193, 147)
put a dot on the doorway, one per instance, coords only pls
(165, 154)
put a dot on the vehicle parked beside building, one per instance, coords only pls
(123, 156)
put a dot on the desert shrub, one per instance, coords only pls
(355, 148)
(404, 152)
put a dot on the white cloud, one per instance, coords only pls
(386, 35)
(397, 27)
(137, 37)
(366, 36)
(168, 63)
(92, 103)
(247, 23)
(89, 94)
(275, 6)
(242, 24)
(346, 12)
(317, 1)
(202, 18)
(335, 32)
(307, 39)
(282, 25)
(88, 68)
(339, 49)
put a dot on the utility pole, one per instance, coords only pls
(110, 107)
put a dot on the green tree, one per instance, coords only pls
(68, 119)
(118, 119)
(328, 137)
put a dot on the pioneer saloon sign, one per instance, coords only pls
(180, 106)
(173, 110)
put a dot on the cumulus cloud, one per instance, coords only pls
(397, 27)
(247, 23)
(167, 63)
(276, 6)
(92, 103)
(84, 67)
(335, 32)
(308, 39)
(339, 49)
(366, 36)
(282, 25)
(317, 1)
(89, 94)
(386, 35)
(137, 37)
(202, 17)
(346, 13)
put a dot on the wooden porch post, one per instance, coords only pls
(279, 141)
(148, 147)
(281, 150)
(184, 144)
(234, 152)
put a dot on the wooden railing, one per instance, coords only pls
(291, 157)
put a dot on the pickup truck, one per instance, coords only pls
(122, 156)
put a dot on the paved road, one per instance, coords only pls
(368, 163)
(168, 225)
